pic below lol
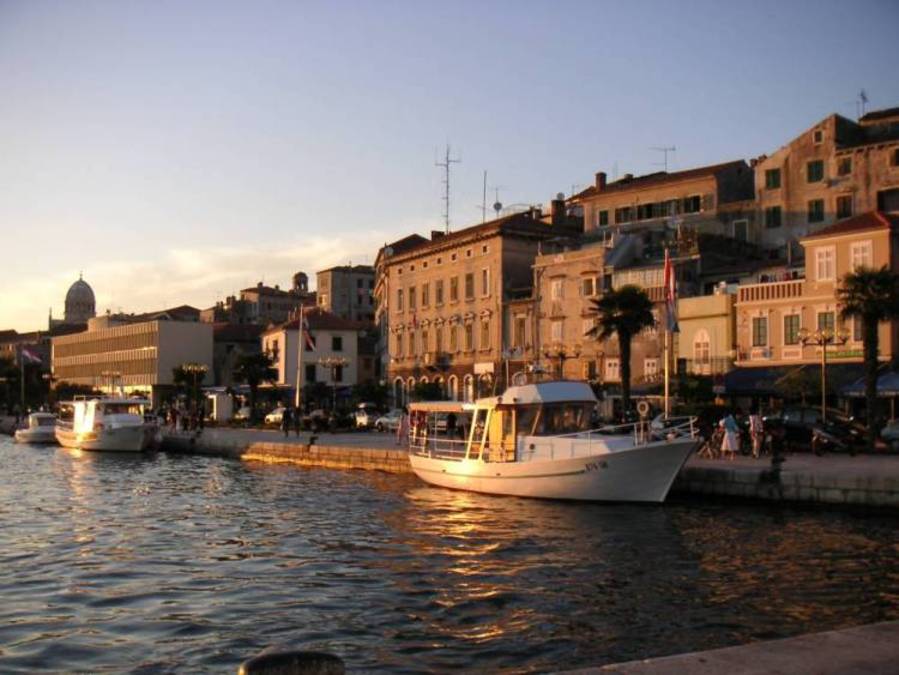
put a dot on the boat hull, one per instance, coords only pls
(641, 474)
(36, 436)
(120, 439)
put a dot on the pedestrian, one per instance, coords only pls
(731, 443)
(451, 425)
(402, 428)
(756, 432)
(285, 422)
(297, 421)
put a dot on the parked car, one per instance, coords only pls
(390, 421)
(366, 414)
(799, 425)
(275, 416)
(317, 420)
(836, 437)
(890, 434)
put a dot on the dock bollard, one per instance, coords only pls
(286, 661)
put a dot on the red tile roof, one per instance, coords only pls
(659, 178)
(872, 220)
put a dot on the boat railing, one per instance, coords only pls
(438, 447)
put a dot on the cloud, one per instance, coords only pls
(196, 277)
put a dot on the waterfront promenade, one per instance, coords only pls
(863, 480)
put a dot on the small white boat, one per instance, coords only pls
(535, 441)
(40, 428)
(107, 423)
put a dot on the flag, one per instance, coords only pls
(307, 336)
(670, 294)
(30, 356)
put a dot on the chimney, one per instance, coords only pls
(436, 234)
(557, 210)
(628, 177)
(601, 180)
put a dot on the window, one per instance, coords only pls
(454, 289)
(336, 343)
(453, 257)
(424, 341)
(438, 339)
(602, 218)
(468, 253)
(814, 171)
(844, 206)
(485, 281)
(556, 289)
(650, 368)
(760, 331)
(556, 331)
(860, 254)
(453, 339)
(693, 204)
(826, 321)
(590, 370)
(844, 166)
(791, 329)
(518, 335)
(399, 344)
(825, 264)
(818, 136)
(425, 295)
(438, 292)
(484, 339)
(338, 373)
(425, 264)
(411, 297)
(587, 326)
(816, 210)
(310, 373)
(588, 287)
(612, 373)
(399, 299)
(485, 248)
(469, 286)
(624, 214)
(411, 343)
(469, 337)
(773, 217)
(772, 179)
(741, 230)
(702, 348)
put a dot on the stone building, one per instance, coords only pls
(261, 304)
(230, 342)
(442, 301)
(831, 171)
(770, 315)
(714, 199)
(347, 291)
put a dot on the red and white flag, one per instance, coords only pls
(307, 336)
(670, 282)
(30, 356)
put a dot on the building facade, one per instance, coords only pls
(138, 356)
(347, 291)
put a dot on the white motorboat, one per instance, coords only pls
(535, 441)
(40, 428)
(106, 423)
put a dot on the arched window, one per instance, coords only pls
(440, 383)
(485, 385)
(399, 393)
(468, 392)
(452, 388)
(702, 352)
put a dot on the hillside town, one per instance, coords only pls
(757, 251)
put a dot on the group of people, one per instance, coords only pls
(730, 431)
(291, 419)
(179, 419)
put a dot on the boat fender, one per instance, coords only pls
(285, 661)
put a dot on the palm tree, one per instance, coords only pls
(254, 369)
(623, 312)
(872, 296)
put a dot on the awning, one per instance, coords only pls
(887, 385)
(763, 381)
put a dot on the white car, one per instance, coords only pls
(366, 414)
(275, 416)
(243, 414)
(390, 421)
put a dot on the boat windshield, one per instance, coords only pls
(44, 421)
(122, 409)
(553, 419)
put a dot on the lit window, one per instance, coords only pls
(612, 371)
(860, 254)
(556, 331)
(825, 264)
(791, 329)
(556, 289)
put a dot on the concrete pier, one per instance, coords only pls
(865, 650)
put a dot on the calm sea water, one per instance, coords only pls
(167, 563)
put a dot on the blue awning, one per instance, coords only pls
(887, 385)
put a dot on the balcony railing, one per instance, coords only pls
(777, 290)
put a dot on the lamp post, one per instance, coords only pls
(822, 338)
(333, 363)
(560, 351)
(110, 377)
(197, 370)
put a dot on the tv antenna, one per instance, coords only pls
(860, 103)
(445, 165)
(497, 204)
(484, 200)
(664, 150)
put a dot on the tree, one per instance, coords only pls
(872, 296)
(254, 369)
(623, 312)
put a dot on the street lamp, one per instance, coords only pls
(333, 363)
(198, 370)
(110, 377)
(822, 338)
(560, 351)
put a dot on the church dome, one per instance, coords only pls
(80, 302)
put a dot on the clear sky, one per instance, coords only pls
(178, 151)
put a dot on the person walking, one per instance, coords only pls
(402, 429)
(731, 443)
(285, 422)
(756, 432)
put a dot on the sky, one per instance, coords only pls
(175, 152)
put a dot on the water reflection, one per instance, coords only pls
(193, 564)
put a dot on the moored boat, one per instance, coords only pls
(535, 441)
(39, 428)
(107, 423)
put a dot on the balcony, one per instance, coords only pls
(776, 290)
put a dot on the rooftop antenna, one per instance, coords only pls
(484, 200)
(860, 103)
(497, 204)
(664, 150)
(445, 165)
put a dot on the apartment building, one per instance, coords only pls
(347, 291)
(443, 301)
(830, 172)
(770, 315)
(140, 356)
(715, 199)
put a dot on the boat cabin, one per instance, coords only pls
(89, 412)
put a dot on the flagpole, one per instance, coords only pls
(667, 371)
(300, 340)
(22, 377)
